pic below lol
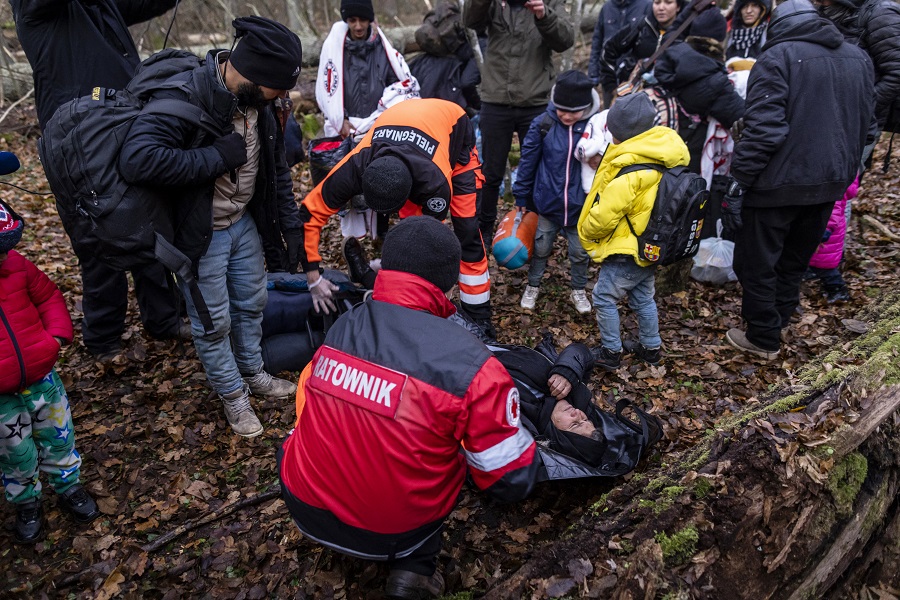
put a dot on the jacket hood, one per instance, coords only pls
(737, 21)
(657, 144)
(814, 29)
(593, 110)
(411, 291)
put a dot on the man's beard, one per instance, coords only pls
(249, 95)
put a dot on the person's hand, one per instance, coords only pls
(233, 150)
(559, 386)
(293, 239)
(59, 341)
(537, 8)
(521, 209)
(322, 292)
(737, 129)
(346, 129)
(731, 207)
(594, 161)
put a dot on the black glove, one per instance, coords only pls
(731, 207)
(293, 238)
(233, 150)
(737, 129)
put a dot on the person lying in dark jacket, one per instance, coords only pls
(694, 71)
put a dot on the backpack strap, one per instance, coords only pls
(545, 125)
(185, 111)
(632, 169)
(174, 259)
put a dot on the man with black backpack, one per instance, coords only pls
(231, 199)
(74, 46)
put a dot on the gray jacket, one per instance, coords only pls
(518, 68)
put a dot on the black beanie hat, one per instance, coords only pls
(710, 24)
(572, 91)
(268, 53)
(357, 8)
(425, 247)
(386, 183)
(11, 228)
(580, 447)
(630, 115)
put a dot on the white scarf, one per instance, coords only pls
(330, 84)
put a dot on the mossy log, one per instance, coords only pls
(796, 497)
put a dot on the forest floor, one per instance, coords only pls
(158, 452)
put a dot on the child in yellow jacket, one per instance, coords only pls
(605, 233)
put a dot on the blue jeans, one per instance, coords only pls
(620, 275)
(233, 283)
(543, 246)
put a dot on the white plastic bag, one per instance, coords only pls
(713, 261)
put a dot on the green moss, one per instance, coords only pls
(673, 491)
(702, 488)
(600, 505)
(678, 548)
(656, 484)
(845, 481)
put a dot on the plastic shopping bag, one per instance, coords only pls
(713, 262)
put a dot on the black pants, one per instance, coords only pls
(105, 303)
(771, 253)
(498, 122)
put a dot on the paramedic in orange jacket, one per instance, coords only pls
(418, 158)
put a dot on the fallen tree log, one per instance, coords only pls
(796, 497)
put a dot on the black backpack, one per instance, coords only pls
(441, 32)
(126, 227)
(673, 231)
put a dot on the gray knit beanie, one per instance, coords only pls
(386, 183)
(425, 247)
(630, 116)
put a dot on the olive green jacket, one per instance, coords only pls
(518, 68)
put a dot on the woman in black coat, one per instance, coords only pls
(622, 51)
(747, 26)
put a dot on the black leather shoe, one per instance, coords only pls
(79, 503)
(29, 521)
(651, 356)
(406, 585)
(606, 359)
(357, 265)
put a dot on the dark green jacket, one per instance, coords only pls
(518, 68)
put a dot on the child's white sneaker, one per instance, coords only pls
(579, 299)
(530, 297)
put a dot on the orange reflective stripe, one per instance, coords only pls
(301, 392)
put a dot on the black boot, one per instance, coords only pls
(606, 359)
(835, 294)
(29, 521)
(357, 265)
(651, 356)
(406, 585)
(79, 504)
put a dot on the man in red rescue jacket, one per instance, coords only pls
(391, 410)
(418, 158)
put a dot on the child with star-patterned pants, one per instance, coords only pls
(36, 434)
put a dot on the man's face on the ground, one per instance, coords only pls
(359, 27)
(566, 417)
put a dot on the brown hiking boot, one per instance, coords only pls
(738, 339)
(240, 414)
(406, 585)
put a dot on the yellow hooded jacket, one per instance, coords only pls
(602, 226)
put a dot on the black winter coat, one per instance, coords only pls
(700, 84)
(880, 37)
(809, 109)
(367, 71)
(74, 46)
(614, 16)
(454, 78)
(178, 158)
(630, 44)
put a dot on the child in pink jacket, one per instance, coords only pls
(825, 263)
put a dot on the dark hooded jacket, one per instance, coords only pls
(874, 25)
(699, 82)
(454, 77)
(179, 160)
(737, 28)
(809, 108)
(367, 71)
(632, 43)
(615, 15)
(75, 45)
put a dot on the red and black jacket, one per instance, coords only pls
(385, 408)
